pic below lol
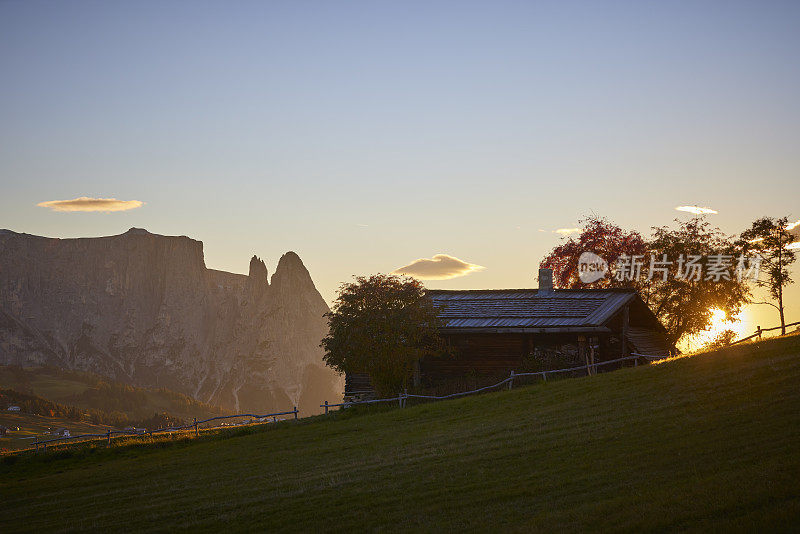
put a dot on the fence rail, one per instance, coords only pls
(403, 397)
(760, 331)
(634, 356)
(110, 434)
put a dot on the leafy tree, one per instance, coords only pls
(382, 325)
(769, 238)
(723, 339)
(682, 303)
(598, 235)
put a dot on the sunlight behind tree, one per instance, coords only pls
(719, 324)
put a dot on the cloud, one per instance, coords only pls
(566, 231)
(440, 267)
(696, 210)
(91, 204)
(794, 231)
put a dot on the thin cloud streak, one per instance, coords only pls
(566, 231)
(91, 204)
(440, 267)
(697, 210)
(793, 230)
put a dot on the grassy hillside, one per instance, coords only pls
(41, 418)
(709, 442)
(32, 426)
(89, 391)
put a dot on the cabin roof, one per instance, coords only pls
(529, 308)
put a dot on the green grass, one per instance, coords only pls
(710, 442)
(38, 426)
(82, 389)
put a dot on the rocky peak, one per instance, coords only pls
(137, 231)
(257, 279)
(258, 270)
(290, 269)
(292, 278)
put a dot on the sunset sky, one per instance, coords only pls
(367, 135)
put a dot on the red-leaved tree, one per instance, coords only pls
(683, 304)
(602, 237)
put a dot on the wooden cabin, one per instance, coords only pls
(492, 332)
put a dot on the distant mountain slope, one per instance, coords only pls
(87, 391)
(144, 309)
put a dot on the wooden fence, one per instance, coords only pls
(403, 397)
(760, 331)
(195, 425)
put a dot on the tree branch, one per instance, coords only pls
(768, 303)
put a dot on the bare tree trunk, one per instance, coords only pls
(780, 309)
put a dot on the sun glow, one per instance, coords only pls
(718, 325)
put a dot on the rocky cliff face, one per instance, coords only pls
(143, 308)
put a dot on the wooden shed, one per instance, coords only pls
(492, 332)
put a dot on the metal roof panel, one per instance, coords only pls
(528, 308)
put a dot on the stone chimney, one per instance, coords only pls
(545, 280)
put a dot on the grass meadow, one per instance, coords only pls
(710, 442)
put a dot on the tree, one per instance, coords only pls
(769, 238)
(382, 325)
(600, 236)
(723, 339)
(682, 301)
(683, 304)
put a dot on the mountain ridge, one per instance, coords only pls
(143, 308)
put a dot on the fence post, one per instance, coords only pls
(108, 438)
(295, 413)
(636, 361)
(544, 376)
(758, 332)
(36, 444)
(511, 380)
(326, 407)
(405, 397)
(196, 432)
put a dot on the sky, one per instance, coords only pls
(368, 135)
